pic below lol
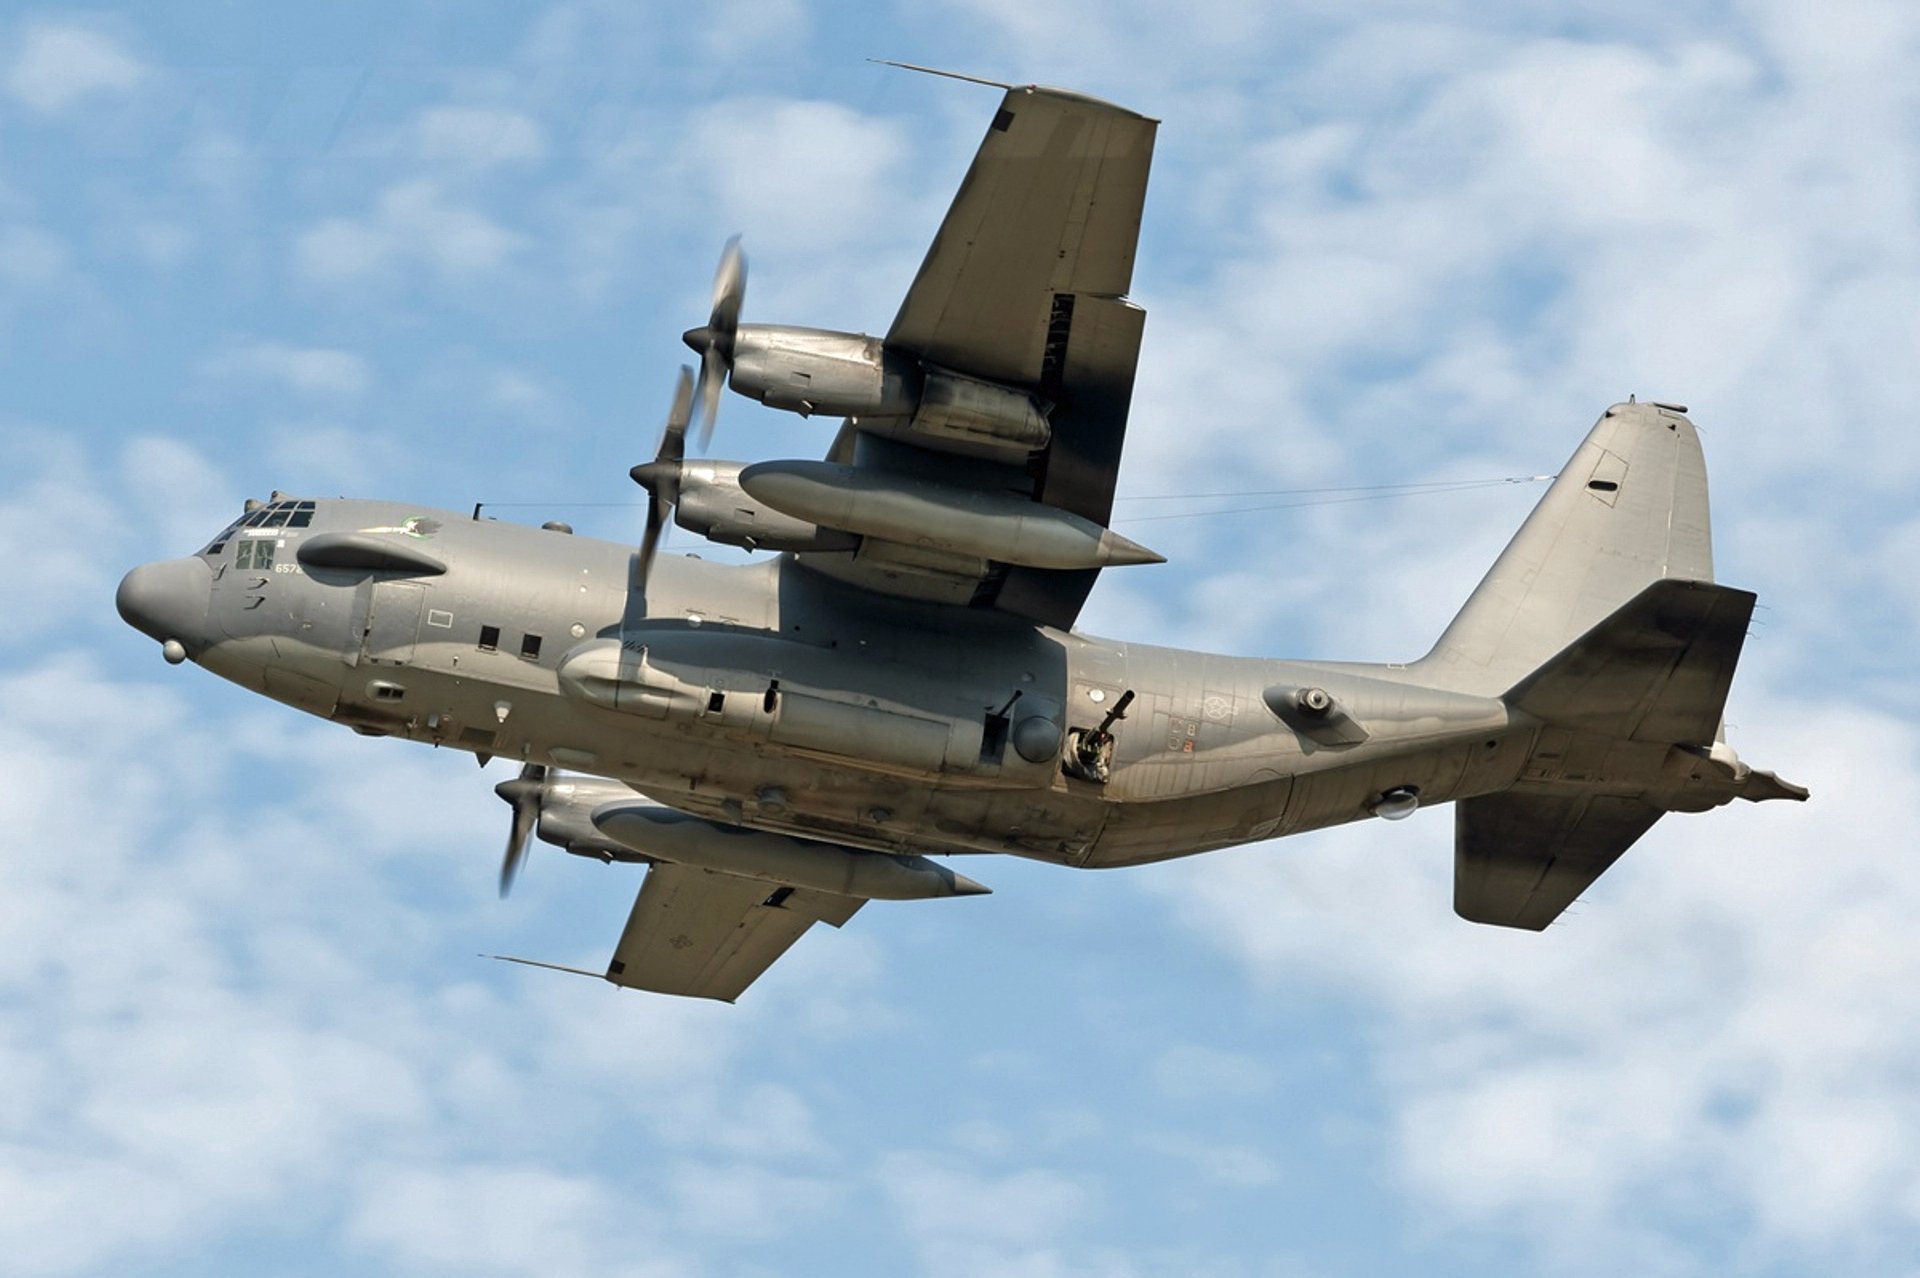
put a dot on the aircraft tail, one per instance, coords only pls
(1599, 620)
(1628, 509)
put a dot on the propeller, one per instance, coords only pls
(524, 792)
(713, 341)
(661, 476)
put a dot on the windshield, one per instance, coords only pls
(281, 514)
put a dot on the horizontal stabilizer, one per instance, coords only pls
(1657, 669)
(1519, 859)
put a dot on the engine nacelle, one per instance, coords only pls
(966, 415)
(817, 370)
(713, 504)
(813, 370)
(567, 804)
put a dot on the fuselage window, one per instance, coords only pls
(489, 638)
(254, 552)
(530, 647)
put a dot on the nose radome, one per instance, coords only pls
(168, 600)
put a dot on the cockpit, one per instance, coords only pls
(279, 513)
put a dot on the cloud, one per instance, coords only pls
(30, 257)
(796, 173)
(413, 226)
(964, 1222)
(738, 29)
(1378, 250)
(1726, 1010)
(163, 492)
(478, 137)
(1187, 1070)
(305, 370)
(491, 1218)
(57, 66)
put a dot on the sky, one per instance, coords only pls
(442, 253)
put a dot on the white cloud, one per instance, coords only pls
(1729, 1009)
(497, 1219)
(1229, 1164)
(742, 1201)
(966, 1222)
(413, 225)
(304, 370)
(318, 455)
(738, 29)
(59, 65)
(30, 257)
(795, 173)
(50, 577)
(478, 137)
(1384, 251)
(1187, 1070)
(164, 493)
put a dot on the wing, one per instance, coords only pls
(1024, 290)
(709, 935)
(1049, 214)
(1519, 859)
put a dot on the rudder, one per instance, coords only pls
(1628, 509)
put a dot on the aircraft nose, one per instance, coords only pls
(168, 601)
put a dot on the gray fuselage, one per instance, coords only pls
(769, 696)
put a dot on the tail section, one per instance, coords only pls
(1600, 622)
(1628, 509)
(1654, 673)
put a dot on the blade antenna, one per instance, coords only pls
(950, 75)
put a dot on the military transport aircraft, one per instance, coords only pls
(781, 741)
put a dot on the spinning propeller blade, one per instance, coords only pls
(714, 340)
(661, 476)
(524, 792)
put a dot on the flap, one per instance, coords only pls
(709, 935)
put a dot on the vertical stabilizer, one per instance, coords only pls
(1628, 509)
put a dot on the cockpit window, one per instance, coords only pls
(219, 543)
(281, 514)
(254, 552)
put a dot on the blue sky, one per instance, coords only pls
(444, 252)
